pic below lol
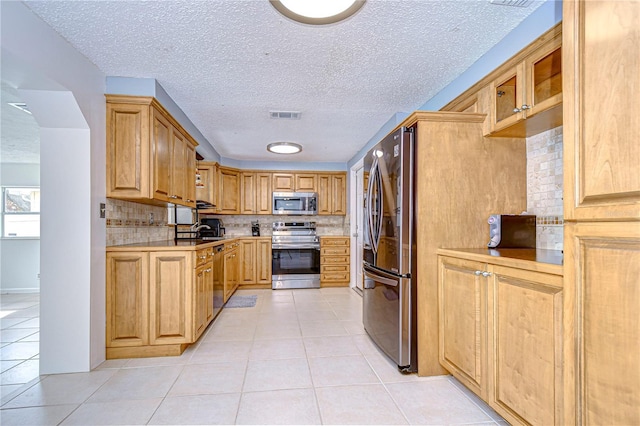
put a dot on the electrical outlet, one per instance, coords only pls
(103, 210)
(38, 275)
(151, 221)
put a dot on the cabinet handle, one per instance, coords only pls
(208, 270)
(522, 108)
(478, 273)
(486, 274)
(173, 197)
(189, 200)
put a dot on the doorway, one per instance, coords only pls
(357, 225)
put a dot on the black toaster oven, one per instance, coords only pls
(512, 231)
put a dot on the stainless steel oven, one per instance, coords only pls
(295, 252)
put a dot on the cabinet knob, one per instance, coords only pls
(478, 273)
(173, 197)
(522, 108)
(486, 274)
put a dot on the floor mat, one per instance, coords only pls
(241, 301)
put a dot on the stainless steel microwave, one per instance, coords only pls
(295, 203)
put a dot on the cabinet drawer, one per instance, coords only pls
(203, 256)
(325, 269)
(340, 242)
(334, 260)
(334, 251)
(335, 277)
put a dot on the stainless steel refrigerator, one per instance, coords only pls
(389, 264)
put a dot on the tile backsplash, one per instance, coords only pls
(545, 186)
(129, 223)
(238, 226)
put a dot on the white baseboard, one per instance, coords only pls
(19, 290)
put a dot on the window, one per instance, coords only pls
(20, 212)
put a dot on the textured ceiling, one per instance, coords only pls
(227, 63)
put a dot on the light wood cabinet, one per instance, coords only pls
(463, 322)
(300, 182)
(332, 193)
(231, 269)
(170, 298)
(334, 261)
(150, 157)
(229, 181)
(208, 189)
(256, 193)
(158, 301)
(602, 212)
(501, 336)
(127, 298)
(527, 98)
(255, 261)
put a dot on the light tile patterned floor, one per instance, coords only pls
(297, 357)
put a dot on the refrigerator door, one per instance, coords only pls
(389, 203)
(387, 314)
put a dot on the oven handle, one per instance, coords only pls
(375, 277)
(281, 246)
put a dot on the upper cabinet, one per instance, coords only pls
(150, 157)
(229, 181)
(526, 99)
(332, 193)
(601, 148)
(299, 182)
(255, 189)
(207, 186)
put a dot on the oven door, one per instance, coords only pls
(295, 267)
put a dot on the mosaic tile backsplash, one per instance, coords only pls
(239, 226)
(545, 186)
(129, 223)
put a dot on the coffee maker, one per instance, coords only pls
(255, 229)
(215, 231)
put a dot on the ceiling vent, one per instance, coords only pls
(21, 106)
(516, 3)
(285, 115)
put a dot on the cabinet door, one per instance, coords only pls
(200, 301)
(231, 266)
(263, 261)
(283, 182)
(264, 194)
(506, 97)
(190, 179)
(306, 182)
(127, 150)
(247, 193)
(208, 285)
(526, 346)
(229, 201)
(178, 167)
(208, 188)
(339, 194)
(324, 194)
(463, 321)
(127, 299)
(602, 347)
(247, 261)
(161, 148)
(170, 297)
(544, 77)
(601, 128)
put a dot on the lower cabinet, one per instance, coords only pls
(231, 269)
(255, 261)
(158, 302)
(501, 336)
(334, 261)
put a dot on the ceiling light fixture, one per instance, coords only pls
(317, 12)
(284, 148)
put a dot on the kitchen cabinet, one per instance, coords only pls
(150, 157)
(170, 298)
(158, 301)
(208, 190)
(127, 298)
(501, 336)
(527, 98)
(255, 261)
(334, 261)
(463, 322)
(229, 181)
(231, 269)
(256, 193)
(299, 182)
(332, 194)
(601, 210)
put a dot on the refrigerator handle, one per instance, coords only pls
(372, 175)
(378, 278)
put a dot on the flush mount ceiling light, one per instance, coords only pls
(317, 12)
(284, 148)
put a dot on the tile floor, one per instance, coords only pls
(297, 357)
